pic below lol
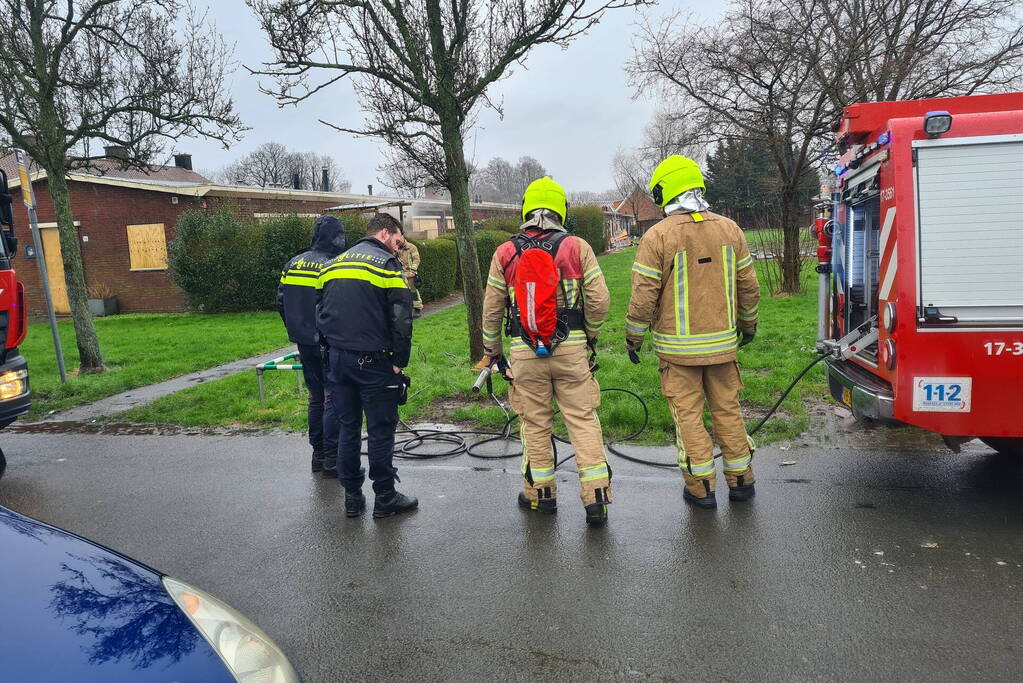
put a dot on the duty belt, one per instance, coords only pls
(571, 318)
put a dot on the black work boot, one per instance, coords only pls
(330, 465)
(741, 491)
(317, 460)
(355, 504)
(708, 502)
(390, 503)
(547, 506)
(596, 514)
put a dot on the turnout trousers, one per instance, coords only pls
(322, 420)
(360, 385)
(565, 377)
(685, 387)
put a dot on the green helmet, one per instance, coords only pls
(544, 193)
(673, 176)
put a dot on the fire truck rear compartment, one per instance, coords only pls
(970, 231)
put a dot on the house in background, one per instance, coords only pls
(642, 208)
(124, 219)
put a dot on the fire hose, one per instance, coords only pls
(458, 443)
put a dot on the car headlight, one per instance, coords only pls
(249, 653)
(13, 384)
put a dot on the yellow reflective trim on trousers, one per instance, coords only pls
(680, 444)
(394, 282)
(299, 281)
(701, 469)
(593, 473)
(737, 465)
(542, 474)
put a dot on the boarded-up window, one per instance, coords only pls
(147, 246)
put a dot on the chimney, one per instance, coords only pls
(296, 181)
(326, 180)
(115, 152)
(183, 161)
(370, 190)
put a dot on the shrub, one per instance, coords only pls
(506, 224)
(281, 239)
(487, 242)
(587, 222)
(438, 265)
(211, 259)
(355, 226)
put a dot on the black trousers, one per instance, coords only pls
(360, 385)
(323, 427)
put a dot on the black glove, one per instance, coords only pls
(746, 338)
(633, 346)
(405, 382)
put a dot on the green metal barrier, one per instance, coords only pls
(278, 364)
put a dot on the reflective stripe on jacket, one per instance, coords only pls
(296, 293)
(694, 286)
(365, 304)
(581, 280)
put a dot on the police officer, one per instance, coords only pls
(296, 302)
(563, 375)
(365, 315)
(409, 257)
(694, 285)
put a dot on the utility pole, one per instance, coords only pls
(28, 195)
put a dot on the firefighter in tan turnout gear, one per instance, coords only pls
(694, 286)
(539, 374)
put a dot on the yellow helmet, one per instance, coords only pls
(673, 176)
(544, 193)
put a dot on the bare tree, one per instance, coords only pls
(779, 71)
(310, 167)
(126, 73)
(500, 181)
(274, 165)
(422, 69)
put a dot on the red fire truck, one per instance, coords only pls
(14, 392)
(921, 267)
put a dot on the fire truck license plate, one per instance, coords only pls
(942, 394)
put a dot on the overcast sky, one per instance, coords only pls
(571, 109)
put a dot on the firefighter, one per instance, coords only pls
(694, 284)
(564, 375)
(409, 257)
(365, 316)
(296, 302)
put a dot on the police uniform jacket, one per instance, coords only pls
(296, 293)
(365, 304)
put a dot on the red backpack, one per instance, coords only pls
(536, 278)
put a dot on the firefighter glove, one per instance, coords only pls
(747, 337)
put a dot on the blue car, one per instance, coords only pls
(72, 610)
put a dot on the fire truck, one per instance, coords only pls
(920, 255)
(14, 390)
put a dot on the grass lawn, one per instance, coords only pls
(142, 349)
(441, 377)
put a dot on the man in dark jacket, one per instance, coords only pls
(365, 315)
(296, 302)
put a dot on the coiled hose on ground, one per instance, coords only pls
(458, 442)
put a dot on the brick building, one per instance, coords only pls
(642, 208)
(125, 218)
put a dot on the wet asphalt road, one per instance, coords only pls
(823, 577)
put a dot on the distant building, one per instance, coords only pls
(642, 208)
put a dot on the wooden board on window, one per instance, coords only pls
(147, 246)
(55, 270)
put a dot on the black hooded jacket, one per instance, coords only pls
(296, 295)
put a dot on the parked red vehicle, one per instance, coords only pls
(14, 389)
(921, 262)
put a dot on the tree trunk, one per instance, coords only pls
(472, 282)
(74, 274)
(791, 259)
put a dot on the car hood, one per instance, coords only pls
(73, 611)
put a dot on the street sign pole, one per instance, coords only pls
(29, 196)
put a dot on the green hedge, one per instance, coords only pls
(487, 242)
(226, 264)
(501, 224)
(438, 263)
(587, 222)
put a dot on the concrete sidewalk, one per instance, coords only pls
(133, 398)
